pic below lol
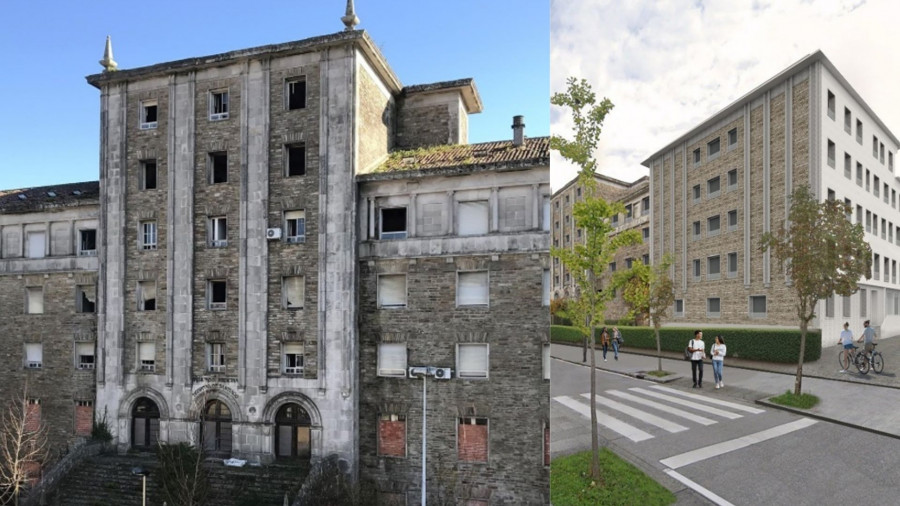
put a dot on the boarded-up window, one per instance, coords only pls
(87, 299)
(392, 359)
(34, 355)
(472, 439)
(147, 356)
(84, 355)
(513, 210)
(34, 303)
(545, 215)
(293, 292)
(392, 290)
(146, 295)
(431, 220)
(473, 217)
(35, 244)
(472, 289)
(293, 358)
(84, 417)
(472, 360)
(392, 435)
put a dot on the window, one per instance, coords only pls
(696, 193)
(712, 148)
(697, 156)
(845, 309)
(577, 192)
(868, 221)
(86, 299)
(34, 355)
(215, 357)
(859, 131)
(732, 138)
(392, 439)
(296, 159)
(877, 269)
(393, 223)
(148, 114)
(292, 292)
(829, 307)
(146, 357)
(713, 307)
(859, 174)
(545, 287)
(848, 121)
(645, 258)
(732, 179)
(473, 217)
(148, 235)
(885, 193)
(891, 161)
(34, 300)
(292, 358)
(732, 265)
(218, 167)
(629, 212)
(713, 267)
(472, 439)
(713, 224)
(146, 294)
(875, 146)
(883, 226)
(645, 206)
(218, 105)
(295, 226)
(859, 214)
(218, 231)
(881, 152)
(148, 175)
(295, 94)
(868, 179)
(472, 289)
(679, 307)
(848, 166)
(612, 267)
(645, 233)
(472, 360)
(392, 360)
(732, 220)
(87, 242)
(216, 290)
(614, 221)
(713, 186)
(831, 106)
(545, 360)
(830, 153)
(36, 247)
(831, 195)
(545, 215)
(84, 355)
(391, 290)
(696, 230)
(629, 262)
(757, 306)
(697, 270)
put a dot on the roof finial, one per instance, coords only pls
(109, 65)
(350, 20)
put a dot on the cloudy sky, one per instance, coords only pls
(667, 65)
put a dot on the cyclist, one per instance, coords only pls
(847, 340)
(868, 335)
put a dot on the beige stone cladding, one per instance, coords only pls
(376, 111)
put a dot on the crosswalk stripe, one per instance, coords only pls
(705, 492)
(702, 420)
(719, 402)
(706, 452)
(643, 416)
(632, 433)
(690, 404)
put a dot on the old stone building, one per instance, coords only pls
(716, 189)
(635, 196)
(48, 323)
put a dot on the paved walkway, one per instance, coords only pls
(845, 399)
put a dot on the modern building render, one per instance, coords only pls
(716, 189)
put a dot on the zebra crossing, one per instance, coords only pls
(630, 411)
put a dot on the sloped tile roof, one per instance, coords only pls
(534, 151)
(40, 198)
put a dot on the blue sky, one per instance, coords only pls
(49, 123)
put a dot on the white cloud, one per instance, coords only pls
(669, 65)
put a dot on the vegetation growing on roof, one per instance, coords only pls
(410, 159)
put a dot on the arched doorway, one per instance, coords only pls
(215, 429)
(292, 430)
(144, 424)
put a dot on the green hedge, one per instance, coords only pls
(769, 345)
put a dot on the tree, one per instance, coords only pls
(181, 475)
(588, 260)
(23, 447)
(822, 253)
(650, 292)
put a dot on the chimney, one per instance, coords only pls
(518, 127)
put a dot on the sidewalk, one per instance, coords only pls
(844, 400)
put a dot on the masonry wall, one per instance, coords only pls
(430, 119)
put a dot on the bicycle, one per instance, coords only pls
(864, 362)
(845, 360)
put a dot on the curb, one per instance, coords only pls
(638, 374)
(808, 414)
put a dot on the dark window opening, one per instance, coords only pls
(149, 178)
(296, 94)
(218, 167)
(144, 424)
(217, 294)
(88, 241)
(149, 114)
(296, 156)
(393, 223)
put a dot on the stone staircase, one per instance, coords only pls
(106, 480)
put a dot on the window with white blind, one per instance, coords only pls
(295, 226)
(84, 355)
(473, 217)
(34, 300)
(392, 290)
(35, 244)
(545, 288)
(215, 357)
(86, 298)
(218, 231)
(545, 215)
(292, 290)
(472, 289)
(472, 360)
(292, 358)
(545, 360)
(392, 359)
(146, 293)
(34, 355)
(147, 357)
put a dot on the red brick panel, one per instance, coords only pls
(392, 438)
(473, 443)
(32, 417)
(476, 502)
(547, 445)
(84, 420)
(33, 471)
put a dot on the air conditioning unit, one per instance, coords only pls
(273, 233)
(443, 373)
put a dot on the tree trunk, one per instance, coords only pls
(658, 347)
(595, 435)
(798, 382)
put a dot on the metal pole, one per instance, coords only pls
(424, 439)
(144, 494)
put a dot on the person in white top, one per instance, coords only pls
(846, 340)
(698, 353)
(717, 351)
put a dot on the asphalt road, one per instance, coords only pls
(713, 448)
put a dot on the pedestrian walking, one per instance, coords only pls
(717, 352)
(604, 341)
(698, 353)
(616, 341)
(847, 341)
